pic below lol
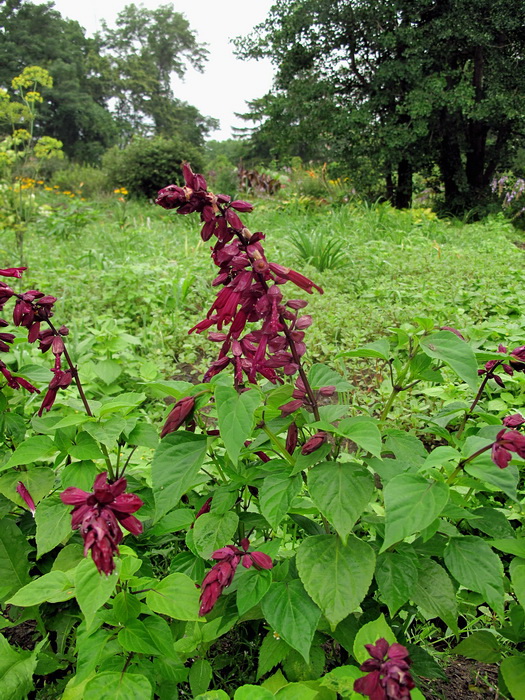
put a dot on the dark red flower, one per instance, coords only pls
(205, 508)
(61, 380)
(221, 574)
(507, 441)
(98, 516)
(178, 415)
(291, 438)
(514, 421)
(13, 272)
(452, 330)
(517, 358)
(388, 675)
(314, 443)
(26, 496)
(17, 382)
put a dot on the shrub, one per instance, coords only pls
(85, 179)
(145, 165)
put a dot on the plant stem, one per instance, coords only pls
(280, 447)
(83, 398)
(462, 463)
(474, 403)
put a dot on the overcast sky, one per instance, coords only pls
(226, 83)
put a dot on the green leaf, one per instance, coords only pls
(213, 695)
(321, 375)
(92, 588)
(175, 466)
(253, 692)
(363, 431)
(481, 645)
(292, 614)
(474, 565)
(14, 563)
(456, 353)
(68, 557)
(53, 587)
(178, 519)
(136, 637)
(296, 691)
(341, 681)
(16, 671)
(113, 685)
(434, 594)
(330, 483)
(85, 447)
(412, 503)
(517, 576)
(123, 403)
(276, 496)
(235, 413)
(369, 634)
(126, 607)
(144, 435)
(200, 676)
(497, 479)
(53, 524)
(379, 348)
(31, 450)
(107, 431)
(272, 651)
(37, 480)
(252, 588)
(513, 671)
(396, 574)
(213, 531)
(108, 371)
(336, 576)
(175, 596)
(81, 475)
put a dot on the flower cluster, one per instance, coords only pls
(388, 672)
(221, 574)
(250, 288)
(516, 362)
(97, 515)
(31, 309)
(301, 398)
(508, 441)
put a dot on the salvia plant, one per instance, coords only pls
(275, 540)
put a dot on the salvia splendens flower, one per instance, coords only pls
(514, 421)
(314, 443)
(24, 494)
(388, 672)
(98, 516)
(249, 288)
(507, 441)
(221, 574)
(178, 415)
(205, 508)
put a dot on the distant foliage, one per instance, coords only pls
(146, 164)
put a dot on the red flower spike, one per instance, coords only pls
(505, 443)
(99, 516)
(221, 574)
(514, 421)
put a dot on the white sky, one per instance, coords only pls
(227, 82)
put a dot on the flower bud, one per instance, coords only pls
(178, 415)
(291, 438)
(314, 443)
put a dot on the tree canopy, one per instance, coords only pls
(408, 84)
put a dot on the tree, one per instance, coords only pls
(411, 83)
(74, 109)
(142, 53)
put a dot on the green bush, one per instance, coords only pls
(84, 179)
(146, 165)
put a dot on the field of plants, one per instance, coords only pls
(286, 502)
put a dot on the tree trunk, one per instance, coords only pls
(403, 198)
(450, 164)
(390, 190)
